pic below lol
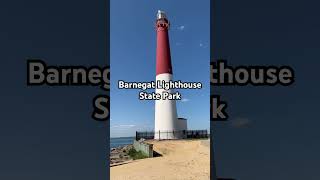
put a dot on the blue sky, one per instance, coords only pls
(133, 47)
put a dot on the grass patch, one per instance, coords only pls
(136, 154)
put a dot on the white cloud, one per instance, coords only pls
(185, 100)
(202, 44)
(129, 130)
(123, 126)
(181, 28)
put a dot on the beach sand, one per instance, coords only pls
(180, 160)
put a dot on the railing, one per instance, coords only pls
(185, 134)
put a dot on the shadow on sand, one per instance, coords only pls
(156, 154)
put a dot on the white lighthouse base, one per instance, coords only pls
(179, 133)
(163, 135)
(166, 121)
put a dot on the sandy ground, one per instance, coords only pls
(180, 160)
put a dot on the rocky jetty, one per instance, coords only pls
(120, 155)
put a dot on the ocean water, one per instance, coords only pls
(121, 141)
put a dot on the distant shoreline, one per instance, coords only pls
(121, 137)
(120, 141)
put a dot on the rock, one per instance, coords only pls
(120, 154)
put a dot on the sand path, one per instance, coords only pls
(181, 160)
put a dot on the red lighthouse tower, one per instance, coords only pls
(163, 47)
(166, 122)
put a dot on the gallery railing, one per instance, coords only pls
(185, 134)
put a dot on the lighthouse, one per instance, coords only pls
(167, 125)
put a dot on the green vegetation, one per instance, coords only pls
(136, 154)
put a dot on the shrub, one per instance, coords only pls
(136, 154)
